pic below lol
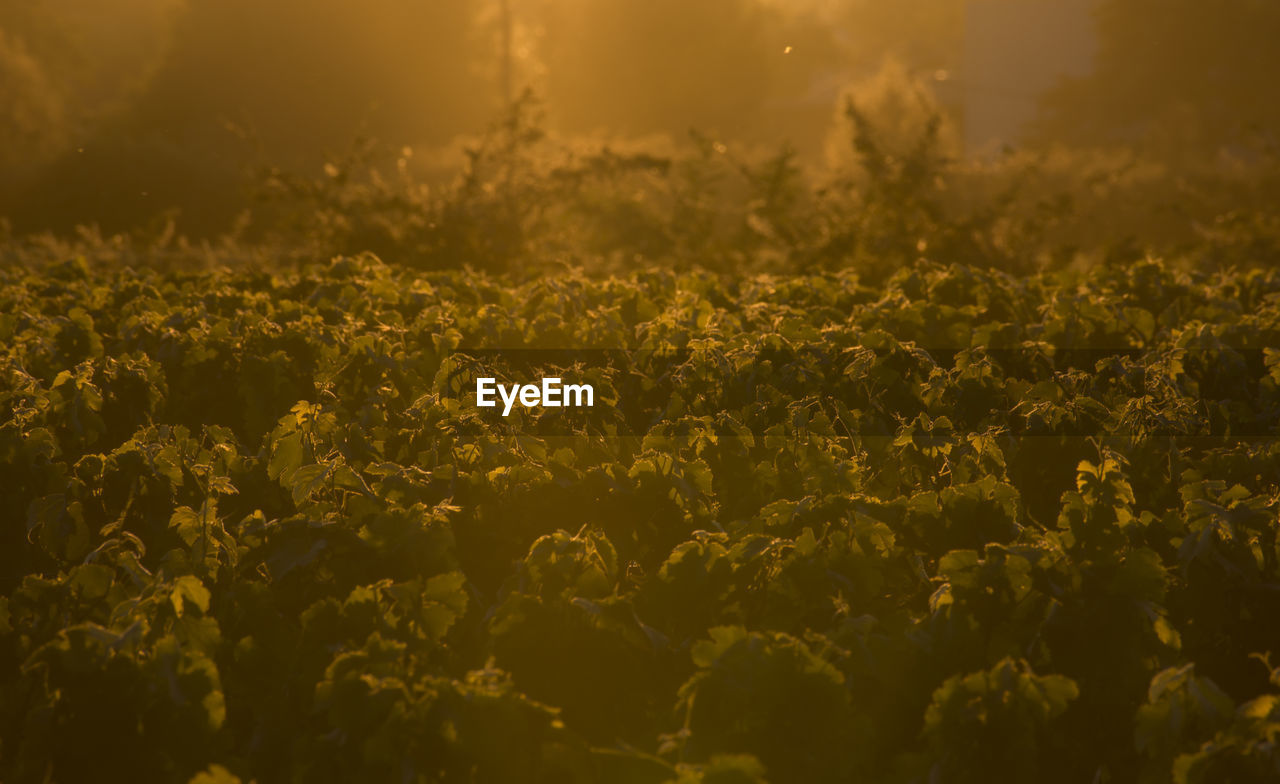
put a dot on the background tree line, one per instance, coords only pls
(117, 114)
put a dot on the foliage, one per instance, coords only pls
(966, 527)
(895, 190)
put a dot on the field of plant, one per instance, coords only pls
(959, 527)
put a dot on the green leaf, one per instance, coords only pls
(960, 567)
(286, 456)
(698, 473)
(705, 652)
(92, 581)
(188, 523)
(1260, 708)
(1166, 633)
(168, 463)
(307, 480)
(215, 774)
(189, 589)
(446, 600)
(1059, 691)
(806, 543)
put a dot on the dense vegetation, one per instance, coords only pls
(959, 527)
(909, 463)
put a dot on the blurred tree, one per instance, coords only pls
(282, 82)
(67, 65)
(738, 67)
(303, 76)
(924, 35)
(33, 115)
(1177, 76)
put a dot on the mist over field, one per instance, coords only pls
(128, 114)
